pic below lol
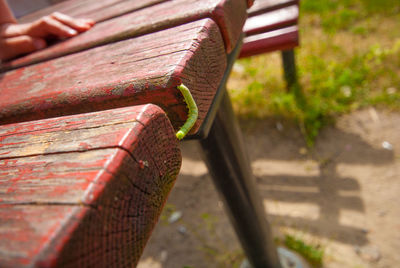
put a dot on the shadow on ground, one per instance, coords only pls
(304, 190)
(326, 189)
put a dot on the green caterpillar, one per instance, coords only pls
(193, 112)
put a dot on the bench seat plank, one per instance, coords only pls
(142, 70)
(272, 26)
(76, 192)
(93, 9)
(282, 39)
(229, 15)
(273, 20)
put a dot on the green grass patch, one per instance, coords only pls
(314, 254)
(349, 59)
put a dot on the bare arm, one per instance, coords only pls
(6, 16)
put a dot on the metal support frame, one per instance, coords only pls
(289, 68)
(227, 161)
(224, 153)
(225, 156)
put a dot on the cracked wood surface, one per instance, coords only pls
(142, 70)
(230, 16)
(84, 190)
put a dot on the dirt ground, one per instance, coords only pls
(344, 195)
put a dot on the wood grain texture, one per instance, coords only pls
(273, 20)
(230, 16)
(282, 39)
(88, 189)
(263, 6)
(142, 70)
(93, 9)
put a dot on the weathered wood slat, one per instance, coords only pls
(282, 39)
(230, 16)
(93, 9)
(263, 6)
(142, 70)
(271, 26)
(272, 20)
(84, 202)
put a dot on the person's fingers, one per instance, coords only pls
(56, 24)
(12, 29)
(48, 25)
(80, 25)
(89, 21)
(14, 46)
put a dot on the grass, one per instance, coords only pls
(349, 59)
(312, 253)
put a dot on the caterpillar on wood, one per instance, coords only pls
(192, 115)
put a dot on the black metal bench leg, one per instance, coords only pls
(289, 68)
(290, 74)
(230, 169)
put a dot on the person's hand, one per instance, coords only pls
(17, 39)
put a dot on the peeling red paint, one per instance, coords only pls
(49, 196)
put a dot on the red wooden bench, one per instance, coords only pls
(84, 190)
(137, 53)
(272, 26)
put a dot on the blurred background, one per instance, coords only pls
(348, 59)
